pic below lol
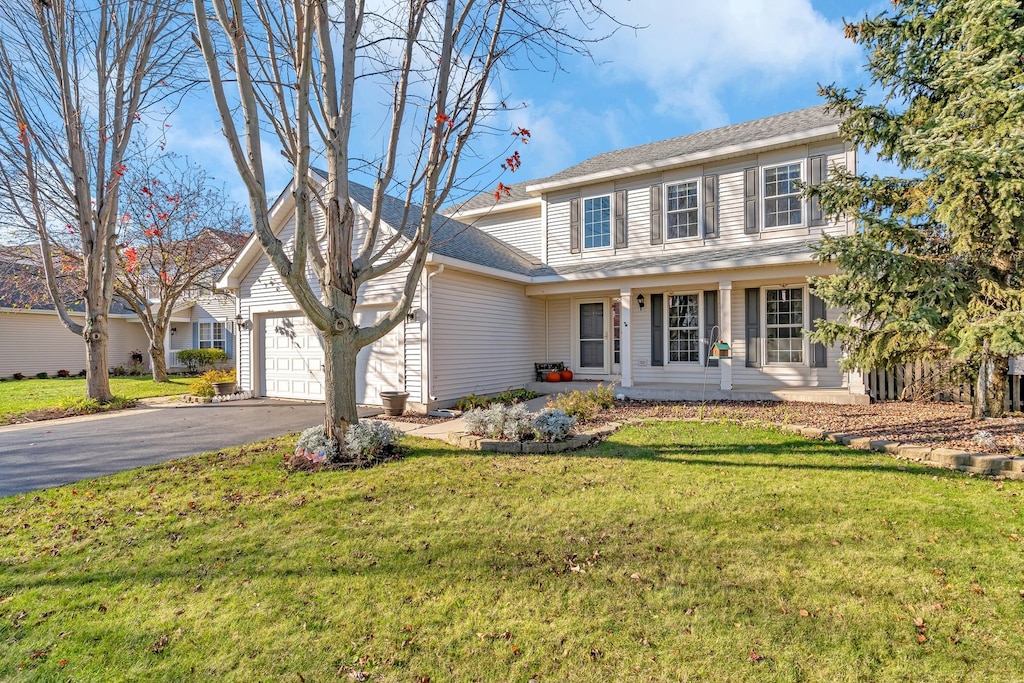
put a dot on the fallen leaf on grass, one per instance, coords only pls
(754, 657)
(160, 644)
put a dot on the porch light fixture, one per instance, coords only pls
(640, 301)
(242, 323)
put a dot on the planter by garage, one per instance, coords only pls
(393, 402)
(223, 388)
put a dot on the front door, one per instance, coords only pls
(593, 337)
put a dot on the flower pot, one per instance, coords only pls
(393, 402)
(554, 376)
(223, 388)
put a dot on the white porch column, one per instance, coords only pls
(858, 383)
(625, 337)
(725, 323)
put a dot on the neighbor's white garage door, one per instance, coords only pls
(293, 356)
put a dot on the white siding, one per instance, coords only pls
(219, 307)
(485, 335)
(37, 342)
(559, 343)
(730, 179)
(520, 228)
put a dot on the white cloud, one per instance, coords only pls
(690, 54)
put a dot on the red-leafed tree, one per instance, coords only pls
(78, 79)
(178, 233)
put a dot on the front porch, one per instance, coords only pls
(666, 391)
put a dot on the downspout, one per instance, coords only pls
(428, 379)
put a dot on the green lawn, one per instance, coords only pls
(674, 551)
(18, 397)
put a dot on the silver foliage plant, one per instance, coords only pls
(371, 440)
(516, 423)
(552, 424)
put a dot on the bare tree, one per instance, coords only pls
(180, 233)
(297, 65)
(77, 79)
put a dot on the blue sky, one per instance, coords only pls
(695, 65)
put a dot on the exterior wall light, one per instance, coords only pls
(640, 301)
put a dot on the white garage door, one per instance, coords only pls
(293, 359)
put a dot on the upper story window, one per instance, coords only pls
(681, 210)
(784, 325)
(597, 222)
(683, 328)
(211, 336)
(782, 204)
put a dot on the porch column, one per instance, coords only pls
(625, 337)
(725, 323)
(858, 383)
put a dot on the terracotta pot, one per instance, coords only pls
(554, 376)
(566, 375)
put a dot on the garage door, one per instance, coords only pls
(293, 359)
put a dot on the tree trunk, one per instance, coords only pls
(340, 353)
(158, 356)
(990, 391)
(97, 381)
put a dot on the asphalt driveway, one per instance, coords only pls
(55, 452)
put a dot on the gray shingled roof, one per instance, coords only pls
(690, 260)
(790, 123)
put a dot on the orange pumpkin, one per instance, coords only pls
(554, 376)
(566, 375)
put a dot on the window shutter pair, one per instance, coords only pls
(818, 172)
(819, 354)
(710, 325)
(750, 201)
(621, 223)
(710, 210)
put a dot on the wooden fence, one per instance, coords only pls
(920, 381)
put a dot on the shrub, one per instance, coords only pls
(136, 369)
(118, 371)
(63, 373)
(80, 405)
(42, 375)
(584, 405)
(472, 401)
(509, 396)
(203, 386)
(18, 375)
(201, 359)
(552, 424)
(314, 448)
(499, 420)
(137, 356)
(371, 442)
(82, 373)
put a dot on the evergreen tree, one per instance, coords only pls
(935, 270)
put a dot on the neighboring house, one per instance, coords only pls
(33, 340)
(626, 267)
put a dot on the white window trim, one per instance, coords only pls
(762, 198)
(213, 339)
(611, 223)
(700, 330)
(700, 209)
(805, 342)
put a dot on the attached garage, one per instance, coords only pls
(292, 359)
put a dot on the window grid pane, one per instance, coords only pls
(782, 205)
(597, 223)
(784, 319)
(683, 329)
(681, 207)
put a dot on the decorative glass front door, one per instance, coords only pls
(592, 336)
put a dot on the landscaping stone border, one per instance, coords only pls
(988, 464)
(480, 443)
(237, 396)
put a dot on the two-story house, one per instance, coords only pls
(627, 267)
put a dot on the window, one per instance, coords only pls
(211, 336)
(683, 328)
(782, 205)
(616, 329)
(597, 222)
(681, 209)
(784, 325)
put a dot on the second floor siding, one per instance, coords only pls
(744, 200)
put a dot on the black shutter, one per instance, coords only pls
(621, 229)
(574, 226)
(818, 171)
(819, 354)
(711, 329)
(711, 206)
(750, 195)
(657, 329)
(657, 236)
(753, 318)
